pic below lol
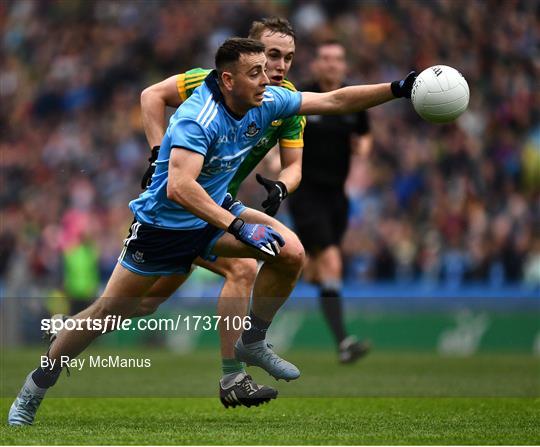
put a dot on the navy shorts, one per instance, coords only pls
(154, 251)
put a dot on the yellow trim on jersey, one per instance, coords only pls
(196, 77)
(303, 122)
(291, 144)
(181, 86)
(195, 81)
(288, 85)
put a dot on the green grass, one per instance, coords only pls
(285, 421)
(388, 398)
(381, 374)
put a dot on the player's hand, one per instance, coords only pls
(146, 180)
(403, 88)
(277, 193)
(258, 236)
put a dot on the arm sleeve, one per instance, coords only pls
(187, 82)
(291, 135)
(284, 102)
(188, 134)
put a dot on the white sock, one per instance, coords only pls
(229, 379)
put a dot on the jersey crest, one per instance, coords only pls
(252, 130)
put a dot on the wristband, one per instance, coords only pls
(235, 227)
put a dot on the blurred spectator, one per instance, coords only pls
(80, 258)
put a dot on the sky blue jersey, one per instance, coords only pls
(205, 125)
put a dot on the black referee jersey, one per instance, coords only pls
(327, 146)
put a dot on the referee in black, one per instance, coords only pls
(320, 207)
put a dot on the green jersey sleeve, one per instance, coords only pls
(291, 134)
(187, 82)
(291, 130)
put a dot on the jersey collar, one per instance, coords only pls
(211, 82)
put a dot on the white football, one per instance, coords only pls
(440, 94)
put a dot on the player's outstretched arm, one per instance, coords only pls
(154, 100)
(355, 98)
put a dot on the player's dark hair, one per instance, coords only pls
(231, 50)
(274, 24)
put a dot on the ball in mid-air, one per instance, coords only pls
(440, 94)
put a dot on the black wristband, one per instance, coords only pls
(235, 227)
(283, 187)
(396, 89)
(154, 154)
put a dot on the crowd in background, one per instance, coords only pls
(445, 204)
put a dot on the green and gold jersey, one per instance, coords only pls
(289, 132)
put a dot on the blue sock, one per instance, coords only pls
(257, 331)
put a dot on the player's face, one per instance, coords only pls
(250, 80)
(279, 54)
(330, 64)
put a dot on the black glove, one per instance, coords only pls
(146, 180)
(277, 192)
(403, 88)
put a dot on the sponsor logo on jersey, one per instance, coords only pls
(225, 163)
(262, 143)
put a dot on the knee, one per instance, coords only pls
(106, 306)
(243, 271)
(147, 306)
(293, 255)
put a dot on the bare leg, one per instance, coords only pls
(160, 292)
(121, 297)
(233, 299)
(273, 285)
(277, 278)
(328, 265)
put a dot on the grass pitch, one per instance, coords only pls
(285, 421)
(386, 398)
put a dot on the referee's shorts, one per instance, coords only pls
(154, 251)
(320, 217)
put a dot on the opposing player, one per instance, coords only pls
(187, 212)
(279, 39)
(325, 168)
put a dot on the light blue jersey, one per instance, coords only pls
(203, 124)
